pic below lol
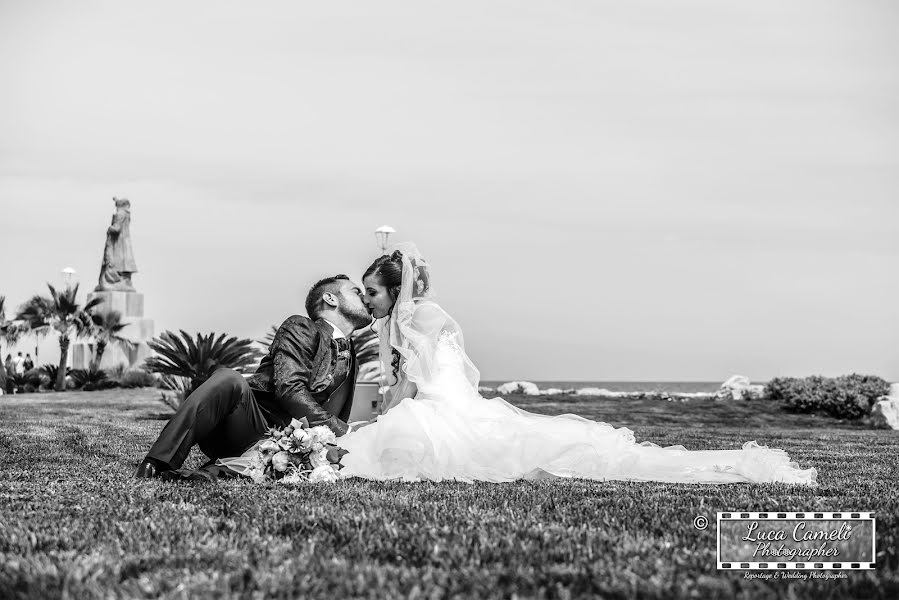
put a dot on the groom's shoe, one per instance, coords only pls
(148, 469)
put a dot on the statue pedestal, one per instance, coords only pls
(138, 329)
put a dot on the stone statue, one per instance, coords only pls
(118, 258)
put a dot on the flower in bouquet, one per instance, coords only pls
(300, 438)
(299, 423)
(322, 435)
(269, 447)
(281, 461)
(324, 474)
(256, 470)
(319, 458)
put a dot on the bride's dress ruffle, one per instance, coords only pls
(449, 432)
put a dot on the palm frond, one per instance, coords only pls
(366, 344)
(269, 338)
(197, 358)
(106, 326)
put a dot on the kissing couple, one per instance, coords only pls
(436, 425)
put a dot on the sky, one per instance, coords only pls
(642, 190)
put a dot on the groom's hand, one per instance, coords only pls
(338, 427)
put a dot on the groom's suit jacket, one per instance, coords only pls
(303, 372)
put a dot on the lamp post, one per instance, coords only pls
(67, 275)
(382, 235)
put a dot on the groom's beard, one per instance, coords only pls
(358, 318)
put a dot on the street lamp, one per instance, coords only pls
(67, 275)
(382, 235)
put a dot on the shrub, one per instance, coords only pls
(39, 379)
(33, 377)
(844, 397)
(197, 358)
(176, 389)
(88, 379)
(52, 371)
(21, 384)
(136, 378)
(115, 372)
(92, 379)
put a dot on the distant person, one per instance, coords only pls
(19, 364)
(2, 378)
(10, 370)
(29, 364)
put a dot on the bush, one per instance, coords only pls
(197, 358)
(136, 378)
(52, 370)
(33, 377)
(88, 379)
(844, 397)
(176, 390)
(28, 382)
(115, 372)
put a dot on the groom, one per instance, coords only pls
(310, 371)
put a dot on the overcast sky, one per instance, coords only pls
(629, 190)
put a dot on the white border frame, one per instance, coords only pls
(775, 565)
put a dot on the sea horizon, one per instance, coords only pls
(620, 386)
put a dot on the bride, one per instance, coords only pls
(437, 426)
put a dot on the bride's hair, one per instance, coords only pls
(389, 271)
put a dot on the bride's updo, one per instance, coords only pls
(389, 271)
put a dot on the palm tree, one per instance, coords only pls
(197, 359)
(106, 327)
(60, 312)
(10, 331)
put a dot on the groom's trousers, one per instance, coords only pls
(221, 415)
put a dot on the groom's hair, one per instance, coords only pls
(314, 301)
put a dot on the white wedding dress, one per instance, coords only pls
(448, 431)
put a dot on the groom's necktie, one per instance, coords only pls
(343, 344)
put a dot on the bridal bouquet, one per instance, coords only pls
(298, 453)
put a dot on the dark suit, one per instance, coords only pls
(304, 374)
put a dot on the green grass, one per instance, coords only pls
(74, 524)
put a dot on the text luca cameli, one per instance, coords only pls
(843, 540)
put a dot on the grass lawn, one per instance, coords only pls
(74, 524)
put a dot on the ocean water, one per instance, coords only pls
(671, 387)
